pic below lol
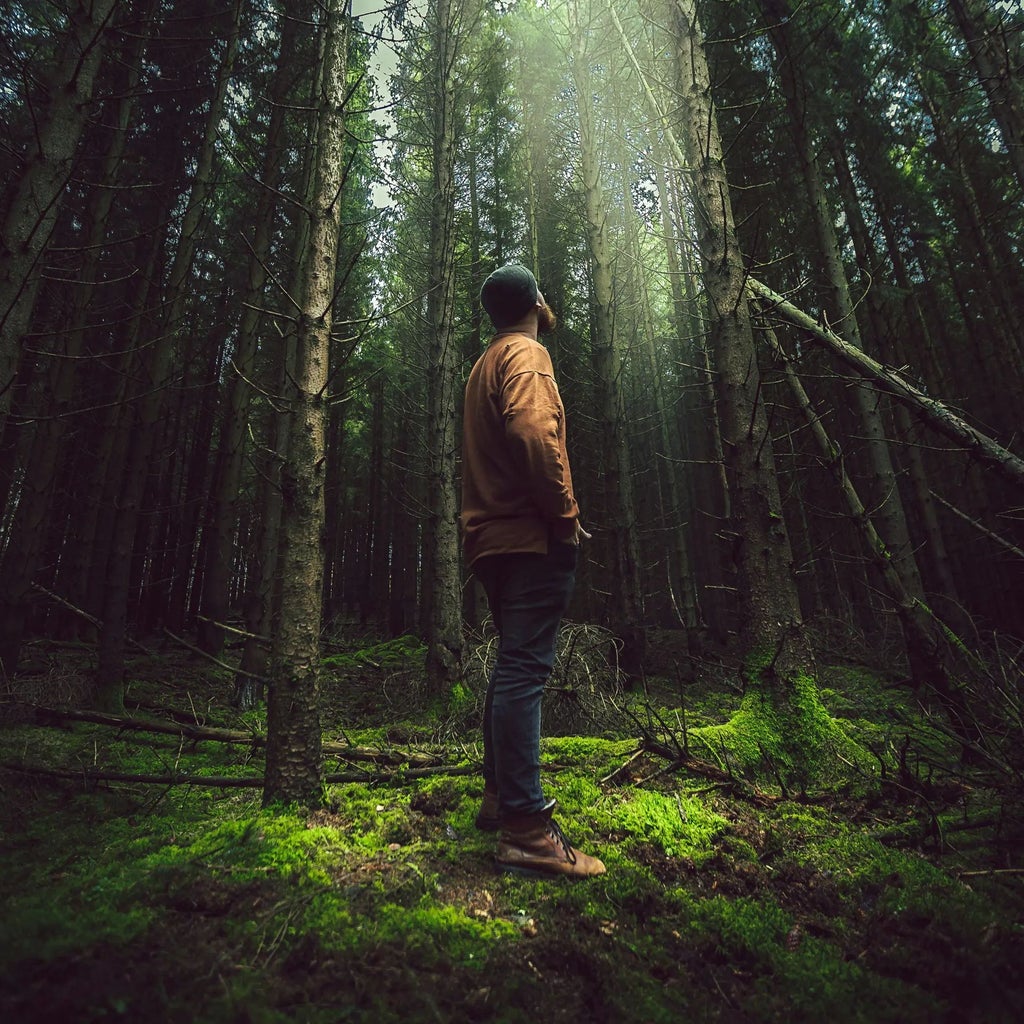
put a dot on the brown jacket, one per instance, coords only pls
(516, 484)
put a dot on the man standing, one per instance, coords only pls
(521, 531)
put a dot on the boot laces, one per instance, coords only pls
(556, 833)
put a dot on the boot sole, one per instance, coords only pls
(525, 872)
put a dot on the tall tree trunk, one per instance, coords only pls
(262, 595)
(771, 627)
(620, 506)
(442, 590)
(231, 453)
(33, 210)
(293, 714)
(782, 696)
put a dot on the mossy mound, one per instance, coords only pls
(787, 735)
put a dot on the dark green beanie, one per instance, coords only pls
(508, 294)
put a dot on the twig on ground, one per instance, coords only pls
(639, 752)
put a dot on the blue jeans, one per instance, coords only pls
(528, 595)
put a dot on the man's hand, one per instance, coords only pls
(580, 533)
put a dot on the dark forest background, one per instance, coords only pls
(179, 179)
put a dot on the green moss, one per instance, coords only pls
(274, 842)
(386, 654)
(384, 905)
(68, 916)
(786, 736)
(598, 754)
(462, 701)
(679, 826)
(800, 977)
(433, 933)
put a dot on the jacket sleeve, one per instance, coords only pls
(532, 411)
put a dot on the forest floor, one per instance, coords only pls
(896, 897)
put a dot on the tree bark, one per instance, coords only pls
(442, 590)
(293, 771)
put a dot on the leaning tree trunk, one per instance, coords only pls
(985, 31)
(27, 531)
(939, 417)
(884, 489)
(293, 714)
(33, 210)
(157, 371)
(929, 650)
(442, 586)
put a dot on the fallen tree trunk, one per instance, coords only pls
(253, 739)
(943, 420)
(229, 782)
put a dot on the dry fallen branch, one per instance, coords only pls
(81, 613)
(216, 661)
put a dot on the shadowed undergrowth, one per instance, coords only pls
(725, 899)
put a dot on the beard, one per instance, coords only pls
(546, 319)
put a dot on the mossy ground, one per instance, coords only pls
(724, 900)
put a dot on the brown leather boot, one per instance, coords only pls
(533, 844)
(488, 818)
